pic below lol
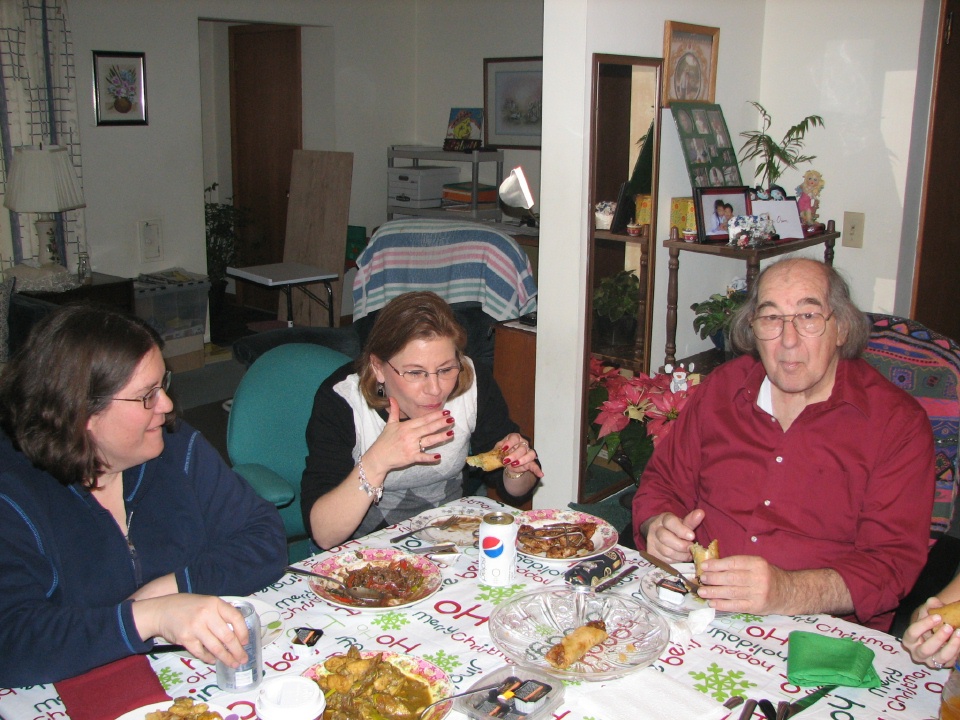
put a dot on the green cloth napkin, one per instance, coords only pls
(814, 660)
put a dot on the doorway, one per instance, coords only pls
(938, 249)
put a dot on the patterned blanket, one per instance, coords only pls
(460, 261)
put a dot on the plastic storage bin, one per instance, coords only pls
(174, 302)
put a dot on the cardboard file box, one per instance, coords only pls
(419, 187)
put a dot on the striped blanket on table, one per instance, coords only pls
(460, 261)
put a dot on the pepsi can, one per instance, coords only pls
(498, 549)
(248, 675)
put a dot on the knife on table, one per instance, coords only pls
(805, 702)
(691, 585)
(610, 582)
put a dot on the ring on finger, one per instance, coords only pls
(420, 445)
(938, 665)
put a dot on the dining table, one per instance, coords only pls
(734, 655)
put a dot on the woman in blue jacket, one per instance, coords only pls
(119, 526)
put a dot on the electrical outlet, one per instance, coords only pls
(852, 230)
(151, 246)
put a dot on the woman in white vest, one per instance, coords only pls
(389, 435)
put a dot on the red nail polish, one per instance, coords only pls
(515, 462)
(449, 433)
(506, 461)
(446, 412)
(450, 420)
(504, 448)
(436, 457)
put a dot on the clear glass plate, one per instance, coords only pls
(526, 627)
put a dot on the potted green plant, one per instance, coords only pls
(223, 220)
(714, 315)
(776, 156)
(615, 303)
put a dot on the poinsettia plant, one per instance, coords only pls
(634, 413)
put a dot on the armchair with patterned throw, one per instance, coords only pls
(926, 365)
(266, 430)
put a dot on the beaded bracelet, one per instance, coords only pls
(373, 492)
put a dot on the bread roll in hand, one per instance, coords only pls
(950, 614)
(701, 553)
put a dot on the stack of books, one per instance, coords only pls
(458, 196)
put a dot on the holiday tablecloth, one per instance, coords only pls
(735, 655)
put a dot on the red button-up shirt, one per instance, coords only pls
(849, 486)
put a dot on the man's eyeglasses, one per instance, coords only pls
(149, 399)
(419, 376)
(770, 327)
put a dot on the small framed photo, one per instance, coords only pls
(512, 102)
(120, 88)
(689, 62)
(715, 208)
(785, 215)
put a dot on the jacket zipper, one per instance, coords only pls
(134, 557)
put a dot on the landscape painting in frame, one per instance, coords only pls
(512, 102)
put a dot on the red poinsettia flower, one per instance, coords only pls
(663, 410)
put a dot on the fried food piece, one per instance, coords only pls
(577, 644)
(949, 613)
(488, 461)
(557, 540)
(184, 708)
(701, 553)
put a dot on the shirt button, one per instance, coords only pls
(753, 538)
(779, 459)
(766, 502)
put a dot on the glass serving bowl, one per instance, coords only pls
(527, 626)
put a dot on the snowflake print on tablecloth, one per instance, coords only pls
(720, 684)
(168, 677)
(391, 621)
(747, 617)
(444, 660)
(497, 595)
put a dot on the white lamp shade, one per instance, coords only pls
(514, 190)
(42, 180)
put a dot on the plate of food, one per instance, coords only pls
(579, 634)
(347, 681)
(666, 592)
(271, 624)
(403, 578)
(439, 525)
(563, 535)
(183, 708)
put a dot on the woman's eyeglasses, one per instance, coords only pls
(149, 399)
(419, 376)
(770, 327)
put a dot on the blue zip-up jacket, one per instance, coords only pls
(66, 569)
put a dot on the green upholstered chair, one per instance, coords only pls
(266, 431)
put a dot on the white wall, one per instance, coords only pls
(374, 73)
(857, 69)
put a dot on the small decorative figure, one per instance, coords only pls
(679, 376)
(808, 196)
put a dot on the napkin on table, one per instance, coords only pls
(624, 698)
(814, 660)
(111, 690)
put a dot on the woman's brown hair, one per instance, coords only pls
(74, 361)
(411, 316)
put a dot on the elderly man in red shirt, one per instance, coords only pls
(813, 472)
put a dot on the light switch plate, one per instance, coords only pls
(151, 240)
(852, 230)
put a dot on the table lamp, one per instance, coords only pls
(42, 180)
(515, 194)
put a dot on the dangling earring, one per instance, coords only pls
(380, 389)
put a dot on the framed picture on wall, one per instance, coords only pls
(715, 207)
(512, 102)
(689, 62)
(708, 150)
(120, 88)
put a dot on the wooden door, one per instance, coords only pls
(938, 246)
(265, 120)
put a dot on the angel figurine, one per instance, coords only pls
(808, 196)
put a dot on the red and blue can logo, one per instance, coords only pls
(492, 547)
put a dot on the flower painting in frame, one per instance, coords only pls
(119, 88)
(689, 62)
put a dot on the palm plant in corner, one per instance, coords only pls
(776, 156)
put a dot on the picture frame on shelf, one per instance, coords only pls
(512, 102)
(120, 87)
(712, 218)
(689, 62)
(708, 150)
(785, 215)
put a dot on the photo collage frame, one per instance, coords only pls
(708, 149)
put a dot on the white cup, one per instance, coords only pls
(290, 698)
